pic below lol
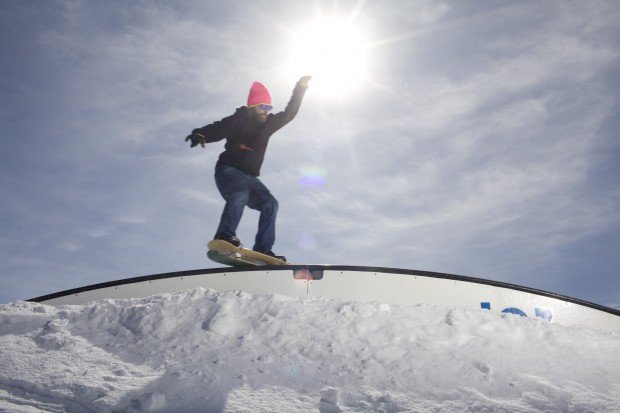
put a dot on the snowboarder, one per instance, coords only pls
(247, 134)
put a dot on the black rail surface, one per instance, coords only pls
(324, 268)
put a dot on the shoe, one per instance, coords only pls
(231, 239)
(271, 254)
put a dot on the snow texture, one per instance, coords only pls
(209, 351)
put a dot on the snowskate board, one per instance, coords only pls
(225, 253)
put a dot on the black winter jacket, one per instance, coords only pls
(246, 138)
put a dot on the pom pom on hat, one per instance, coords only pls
(258, 95)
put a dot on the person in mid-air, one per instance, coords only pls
(247, 134)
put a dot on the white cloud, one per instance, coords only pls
(471, 147)
(203, 197)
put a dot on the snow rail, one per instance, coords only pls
(353, 283)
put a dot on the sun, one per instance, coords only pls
(333, 52)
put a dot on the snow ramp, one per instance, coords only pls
(364, 284)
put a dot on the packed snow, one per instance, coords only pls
(204, 350)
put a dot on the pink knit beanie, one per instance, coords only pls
(258, 95)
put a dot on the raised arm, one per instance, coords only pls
(213, 132)
(282, 118)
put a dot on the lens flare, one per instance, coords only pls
(312, 175)
(307, 242)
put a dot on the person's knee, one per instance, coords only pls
(238, 198)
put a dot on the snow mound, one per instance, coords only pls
(203, 350)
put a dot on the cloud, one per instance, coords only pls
(476, 145)
(470, 166)
(205, 198)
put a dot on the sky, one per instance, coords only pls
(473, 137)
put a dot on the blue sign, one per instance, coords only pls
(546, 313)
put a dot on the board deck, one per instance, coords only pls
(225, 259)
(226, 253)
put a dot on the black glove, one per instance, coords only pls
(197, 137)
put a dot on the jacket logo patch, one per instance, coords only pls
(246, 148)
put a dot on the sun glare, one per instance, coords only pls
(333, 52)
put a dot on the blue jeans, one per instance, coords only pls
(240, 190)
